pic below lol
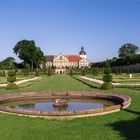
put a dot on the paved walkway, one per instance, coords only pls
(101, 82)
(22, 81)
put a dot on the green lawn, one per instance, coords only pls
(122, 125)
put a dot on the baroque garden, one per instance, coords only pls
(64, 76)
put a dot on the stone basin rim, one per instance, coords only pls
(124, 100)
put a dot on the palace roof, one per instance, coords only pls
(71, 58)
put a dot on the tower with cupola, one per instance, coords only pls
(82, 53)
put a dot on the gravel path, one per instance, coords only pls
(101, 82)
(22, 81)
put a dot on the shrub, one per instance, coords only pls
(95, 71)
(71, 72)
(4, 73)
(26, 72)
(83, 72)
(11, 76)
(11, 86)
(49, 72)
(37, 73)
(107, 70)
(44, 71)
(11, 73)
(107, 85)
(118, 72)
(11, 79)
(107, 78)
(1, 73)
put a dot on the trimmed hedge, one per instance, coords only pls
(11, 86)
(11, 73)
(107, 71)
(11, 78)
(107, 78)
(107, 85)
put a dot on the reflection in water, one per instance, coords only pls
(47, 105)
(27, 106)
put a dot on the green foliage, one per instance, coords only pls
(95, 71)
(37, 73)
(131, 71)
(107, 69)
(8, 63)
(83, 72)
(11, 79)
(3, 73)
(26, 72)
(44, 71)
(11, 76)
(107, 78)
(29, 53)
(27, 66)
(107, 85)
(11, 73)
(27, 69)
(49, 72)
(128, 49)
(122, 61)
(71, 72)
(118, 72)
(11, 86)
(128, 71)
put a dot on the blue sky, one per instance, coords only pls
(63, 26)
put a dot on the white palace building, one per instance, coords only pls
(61, 62)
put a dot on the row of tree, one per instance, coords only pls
(127, 56)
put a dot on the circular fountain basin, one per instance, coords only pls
(79, 104)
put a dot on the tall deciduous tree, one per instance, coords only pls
(29, 53)
(128, 49)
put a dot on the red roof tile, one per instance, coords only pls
(73, 58)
